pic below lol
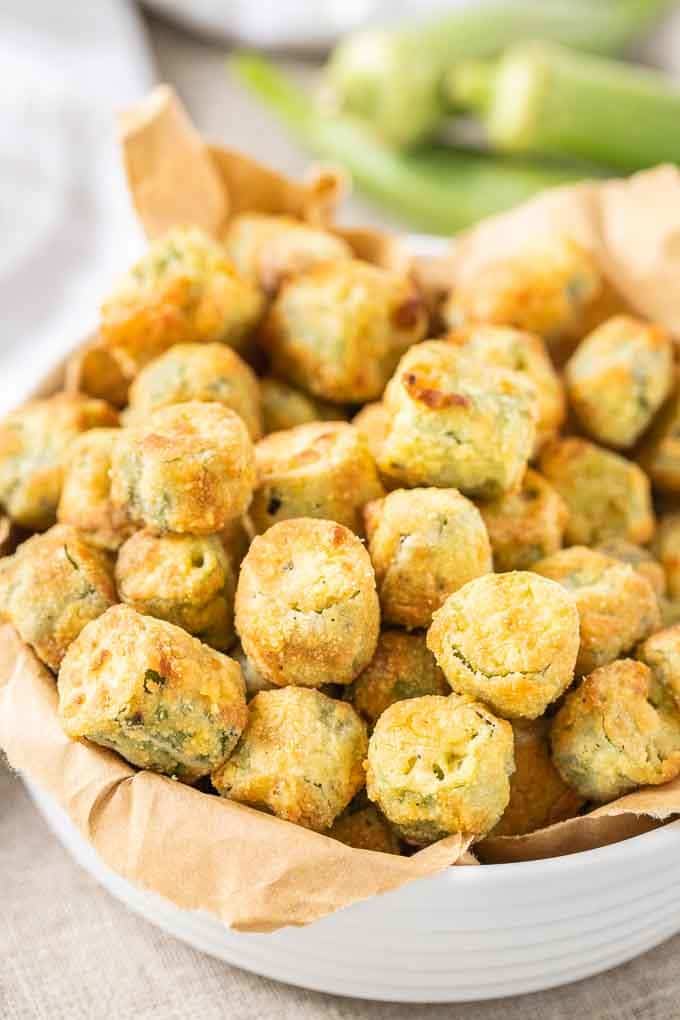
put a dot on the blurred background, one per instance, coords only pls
(443, 113)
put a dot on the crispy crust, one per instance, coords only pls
(526, 525)
(666, 546)
(85, 500)
(284, 406)
(659, 453)
(661, 652)
(365, 829)
(640, 559)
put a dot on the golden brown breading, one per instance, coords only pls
(307, 611)
(339, 329)
(666, 547)
(151, 692)
(659, 453)
(618, 377)
(373, 421)
(189, 468)
(51, 587)
(284, 406)
(438, 766)
(424, 545)
(510, 640)
(323, 469)
(661, 652)
(640, 559)
(301, 757)
(615, 732)
(365, 829)
(607, 495)
(526, 525)
(34, 441)
(617, 606)
(86, 491)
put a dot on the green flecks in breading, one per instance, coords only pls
(153, 680)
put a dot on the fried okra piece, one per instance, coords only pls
(252, 677)
(300, 757)
(96, 371)
(402, 667)
(538, 794)
(524, 353)
(526, 525)
(148, 690)
(34, 441)
(424, 545)
(323, 469)
(438, 766)
(617, 379)
(187, 580)
(284, 406)
(86, 491)
(550, 291)
(373, 421)
(235, 537)
(659, 453)
(661, 652)
(365, 829)
(307, 611)
(640, 559)
(198, 372)
(338, 330)
(607, 495)
(271, 249)
(617, 606)
(456, 424)
(510, 640)
(51, 587)
(666, 546)
(617, 731)
(188, 468)
(183, 290)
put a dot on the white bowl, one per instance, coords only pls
(469, 933)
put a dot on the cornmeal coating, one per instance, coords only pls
(198, 372)
(96, 370)
(521, 352)
(618, 377)
(85, 500)
(659, 453)
(666, 547)
(284, 406)
(189, 468)
(640, 559)
(510, 640)
(615, 732)
(34, 441)
(661, 652)
(365, 829)
(424, 545)
(148, 690)
(183, 290)
(270, 249)
(236, 537)
(455, 423)
(252, 677)
(607, 496)
(300, 757)
(538, 794)
(402, 667)
(307, 611)
(617, 606)
(339, 329)
(373, 421)
(526, 525)
(187, 580)
(439, 765)
(51, 587)
(323, 469)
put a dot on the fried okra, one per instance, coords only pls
(524, 353)
(457, 424)
(189, 468)
(373, 423)
(402, 667)
(34, 441)
(607, 496)
(183, 290)
(617, 607)
(284, 406)
(324, 469)
(615, 732)
(300, 757)
(252, 677)
(666, 546)
(270, 249)
(661, 652)
(184, 579)
(659, 453)
(526, 525)
(198, 372)
(365, 829)
(338, 330)
(510, 640)
(424, 545)
(51, 587)
(617, 379)
(86, 491)
(438, 766)
(307, 611)
(640, 559)
(538, 794)
(148, 690)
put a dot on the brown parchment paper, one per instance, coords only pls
(255, 871)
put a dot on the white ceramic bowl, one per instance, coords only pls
(470, 933)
